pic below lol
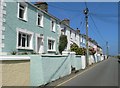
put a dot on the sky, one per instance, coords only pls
(102, 20)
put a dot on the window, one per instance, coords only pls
(24, 40)
(81, 39)
(40, 19)
(70, 33)
(53, 25)
(64, 30)
(75, 35)
(22, 11)
(51, 45)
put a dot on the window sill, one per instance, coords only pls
(40, 26)
(22, 19)
(51, 50)
(53, 31)
(25, 48)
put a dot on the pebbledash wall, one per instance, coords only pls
(13, 24)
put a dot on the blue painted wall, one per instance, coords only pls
(45, 69)
(12, 23)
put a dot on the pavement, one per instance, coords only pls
(104, 73)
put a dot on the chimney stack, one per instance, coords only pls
(42, 5)
(66, 21)
(78, 31)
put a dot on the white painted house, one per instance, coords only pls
(73, 36)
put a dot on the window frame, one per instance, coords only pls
(25, 11)
(54, 26)
(41, 20)
(26, 33)
(54, 46)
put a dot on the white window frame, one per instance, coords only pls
(70, 33)
(54, 26)
(65, 33)
(24, 31)
(41, 20)
(54, 47)
(25, 12)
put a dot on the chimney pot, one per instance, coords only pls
(66, 21)
(78, 31)
(42, 5)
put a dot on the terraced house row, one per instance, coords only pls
(27, 27)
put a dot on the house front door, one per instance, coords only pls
(39, 45)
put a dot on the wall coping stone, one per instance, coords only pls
(46, 55)
(14, 58)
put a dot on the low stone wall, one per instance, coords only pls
(15, 71)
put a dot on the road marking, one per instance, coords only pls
(77, 75)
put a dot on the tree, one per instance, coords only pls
(62, 43)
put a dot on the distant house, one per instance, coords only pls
(82, 40)
(91, 44)
(99, 50)
(72, 35)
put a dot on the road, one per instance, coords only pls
(104, 73)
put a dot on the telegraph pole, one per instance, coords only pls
(86, 19)
(107, 51)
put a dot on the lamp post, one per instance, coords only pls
(87, 51)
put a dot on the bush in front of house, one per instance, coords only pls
(79, 51)
(62, 43)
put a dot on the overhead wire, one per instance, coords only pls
(104, 15)
(64, 8)
(101, 37)
(82, 25)
(86, 4)
(95, 32)
(97, 28)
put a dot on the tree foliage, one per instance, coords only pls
(79, 51)
(62, 43)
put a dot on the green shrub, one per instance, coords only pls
(79, 51)
(62, 43)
